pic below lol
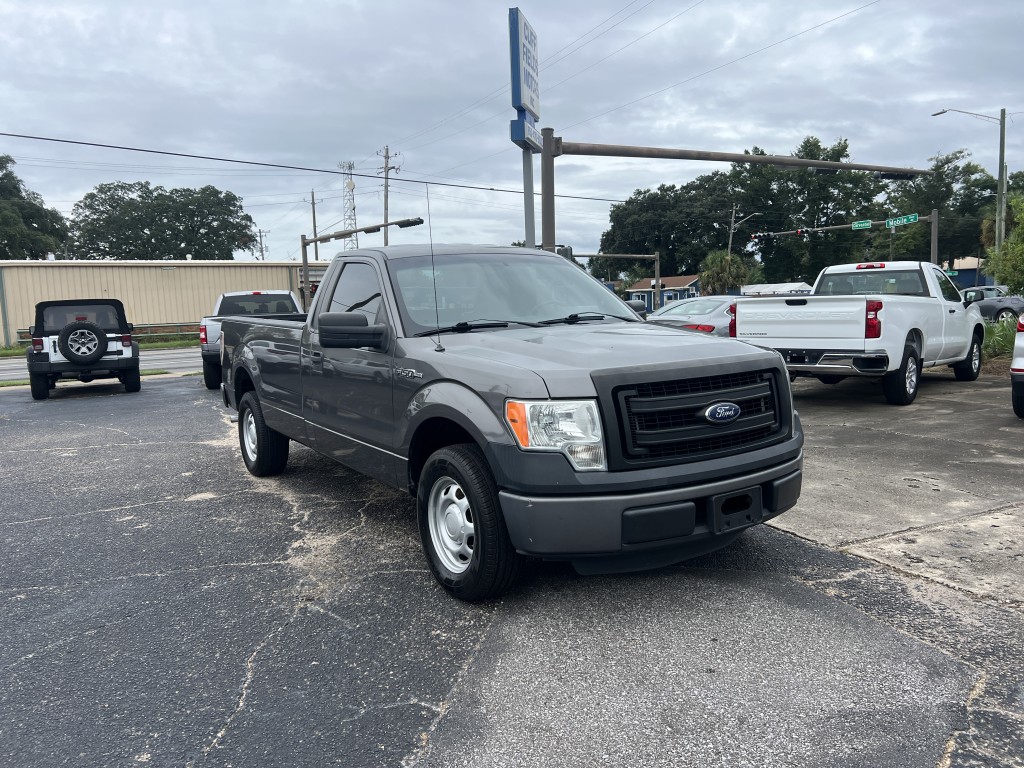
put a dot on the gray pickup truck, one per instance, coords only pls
(529, 411)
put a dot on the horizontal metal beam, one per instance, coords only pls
(562, 147)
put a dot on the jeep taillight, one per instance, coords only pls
(202, 334)
(872, 323)
(732, 320)
(37, 345)
(126, 339)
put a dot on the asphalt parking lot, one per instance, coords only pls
(160, 606)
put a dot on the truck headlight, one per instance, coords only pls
(572, 427)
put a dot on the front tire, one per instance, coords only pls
(900, 386)
(969, 368)
(40, 385)
(462, 529)
(1017, 398)
(264, 450)
(211, 374)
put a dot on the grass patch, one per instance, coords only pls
(999, 338)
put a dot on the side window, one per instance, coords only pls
(357, 290)
(949, 291)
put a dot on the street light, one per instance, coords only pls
(733, 226)
(1001, 183)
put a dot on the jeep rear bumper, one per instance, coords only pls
(73, 370)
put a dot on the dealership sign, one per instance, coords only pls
(525, 80)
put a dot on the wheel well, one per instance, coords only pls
(979, 331)
(915, 339)
(243, 384)
(430, 436)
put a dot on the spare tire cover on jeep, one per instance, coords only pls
(82, 342)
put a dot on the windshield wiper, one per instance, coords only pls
(577, 317)
(472, 325)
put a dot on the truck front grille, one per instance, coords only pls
(665, 421)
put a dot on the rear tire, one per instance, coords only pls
(132, 380)
(1017, 397)
(900, 386)
(264, 450)
(40, 385)
(970, 367)
(82, 342)
(1006, 316)
(211, 374)
(462, 529)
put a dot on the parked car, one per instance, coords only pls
(269, 303)
(526, 408)
(887, 320)
(1017, 370)
(705, 314)
(82, 339)
(995, 302)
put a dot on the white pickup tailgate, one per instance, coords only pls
(803, 322)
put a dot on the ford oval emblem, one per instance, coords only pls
(722, 413)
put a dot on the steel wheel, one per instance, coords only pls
(452, 529)
(250, 442)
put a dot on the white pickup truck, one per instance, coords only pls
(883, 319)
(279, 303)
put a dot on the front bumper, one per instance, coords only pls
(671, 524)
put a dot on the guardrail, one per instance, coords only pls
(141, 332)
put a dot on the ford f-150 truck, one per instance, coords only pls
(528, 410)
(888, 320)
(237, 303)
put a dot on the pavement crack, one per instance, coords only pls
(1008, 506)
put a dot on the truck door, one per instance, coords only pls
(956, 330)
(347, 395)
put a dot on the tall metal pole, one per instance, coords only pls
(388, 167)
(316, 245)
(1001, 190)
(547, 190)
(935, 237)
(305, 276)
(530, 238)
(656, 298)
(732, 226)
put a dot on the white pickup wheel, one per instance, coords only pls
(900, 386)
(969, 368)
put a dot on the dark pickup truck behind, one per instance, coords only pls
(529, 411)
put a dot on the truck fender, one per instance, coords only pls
(469, 417)
(245, 376)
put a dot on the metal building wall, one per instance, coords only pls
(153, 292)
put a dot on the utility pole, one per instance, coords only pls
(349, 220)
(261, 233)
(386, 169)
(1001, 196)
(316, 245)
(733, 226)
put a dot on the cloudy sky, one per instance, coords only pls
(314, 83)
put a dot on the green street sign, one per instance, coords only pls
(866, 224)
(910, 218)
(952, 272)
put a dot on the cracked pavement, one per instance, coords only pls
(160, 606)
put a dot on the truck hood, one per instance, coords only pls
(566, 355)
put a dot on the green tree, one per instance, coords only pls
(798, 198)
(1007, 265)
(721, 272)
(122, 220)
(961, 191)
(28, 229)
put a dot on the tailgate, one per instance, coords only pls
(806, 322)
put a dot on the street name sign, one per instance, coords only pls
(910, 218)
(865, 224)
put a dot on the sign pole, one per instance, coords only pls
(528, 199)
(935, 237)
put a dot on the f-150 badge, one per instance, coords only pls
(408, 373)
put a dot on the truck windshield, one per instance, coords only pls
(905, 282)
(516, 288)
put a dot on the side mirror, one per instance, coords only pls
(638, 306)
(350, 330)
